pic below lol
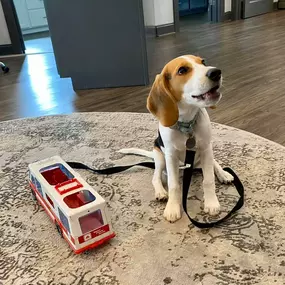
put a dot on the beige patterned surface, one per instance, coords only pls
(247, 250)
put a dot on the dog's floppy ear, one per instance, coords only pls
(161, 103)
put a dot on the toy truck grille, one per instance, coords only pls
(79, 212)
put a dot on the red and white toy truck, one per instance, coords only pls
(78, 211)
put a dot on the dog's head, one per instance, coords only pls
(184, 79)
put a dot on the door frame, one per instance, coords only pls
(216, 12)
(236, 9)
(17, 45)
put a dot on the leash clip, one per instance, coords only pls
(187, 165)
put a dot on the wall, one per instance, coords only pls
(163, 12)
(148, 10)
(158, 12)
(228, 5)
(4, 34)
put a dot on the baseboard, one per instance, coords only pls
(34, 30)
(158, 31)
(281, 5)
(165, 29)
(6, 49)
(227, 16)
(150, 30)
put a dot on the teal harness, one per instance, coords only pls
(186, 127)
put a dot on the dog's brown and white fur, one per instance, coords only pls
(183, 90)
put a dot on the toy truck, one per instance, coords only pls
(78, 211)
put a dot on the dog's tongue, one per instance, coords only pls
(211, 94)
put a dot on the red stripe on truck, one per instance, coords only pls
(100, 231)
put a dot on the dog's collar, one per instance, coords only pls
(186, 127)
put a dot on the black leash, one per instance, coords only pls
(187, 176)
(110, 170)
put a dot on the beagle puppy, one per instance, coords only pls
(178, 99)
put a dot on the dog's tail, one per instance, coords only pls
(137, 151)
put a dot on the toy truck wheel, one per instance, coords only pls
(33, 195)
(59, 230)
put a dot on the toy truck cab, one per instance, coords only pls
(78, 211)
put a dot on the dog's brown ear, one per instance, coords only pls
(161, 103)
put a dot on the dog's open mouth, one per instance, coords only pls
(210, 95)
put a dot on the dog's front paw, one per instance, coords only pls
(172, 211)
(161, 194)
(212, 206)
(225, 177)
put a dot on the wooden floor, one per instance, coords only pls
(38, 43)
(250, 53)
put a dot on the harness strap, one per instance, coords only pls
(187, 176)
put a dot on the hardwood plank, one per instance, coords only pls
(250, 53)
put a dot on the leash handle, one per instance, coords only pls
(187, 177)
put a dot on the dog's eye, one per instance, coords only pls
(204, 62)
(183, 70)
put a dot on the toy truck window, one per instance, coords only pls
(79, 199)
(56, 174)
(91, 222)
(38, 186)
(64, 220)
(50, 200)
(33, 179)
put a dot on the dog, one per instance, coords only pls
(178, 98)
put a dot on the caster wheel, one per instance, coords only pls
(6, 69)
(59, 230)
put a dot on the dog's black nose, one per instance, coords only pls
(214, 74)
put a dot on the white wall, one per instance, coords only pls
(4, 34)
(163, 12)
(148, 11)
(228, 5)
(158, 12)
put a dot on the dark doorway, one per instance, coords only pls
(34, 26)
(16, 45)
(193, 12)
(197, 12)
